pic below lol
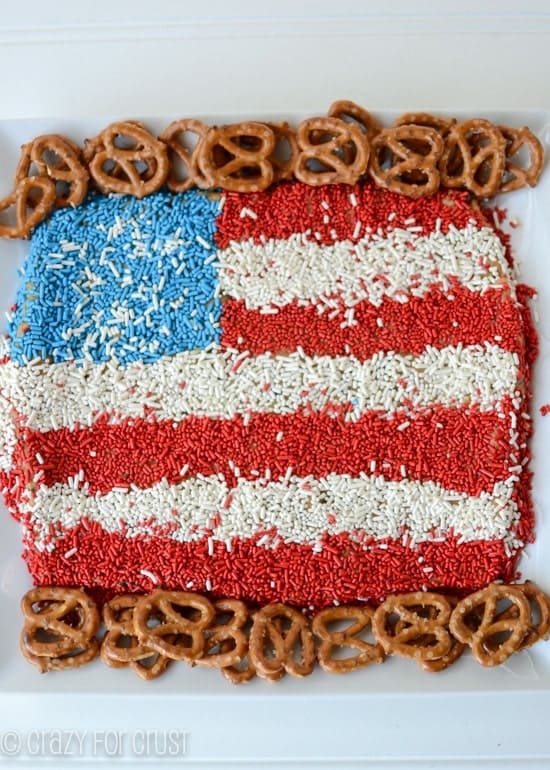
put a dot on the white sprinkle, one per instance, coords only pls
(70, 552)
(150, 575)
(202, 242)
(391, 216)
(353, 199)
(403, 471)
(279, 436)
(379, 322)
(184, 469)
(356, 230)
(189, 584)
(246, 212)
(325, 205)
(410, 221)
(208, 584)
(403, 425)
(210, 547)
(93, 453)
(39, 458)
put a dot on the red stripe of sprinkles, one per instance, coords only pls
(470, 318)
(326, 214)
(289, 573)
(462, 449)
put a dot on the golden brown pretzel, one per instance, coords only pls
(182, 619)
(59, 159)
(237, 157)
(331, 152)
(420, 631)
(474, 157)
(482, 633)
(173, 137)
(515, 175)
(121, 647)
(405, 160)
(367, 653)
(138, 169)
(268, 630)
(33, 199)
(59, 628)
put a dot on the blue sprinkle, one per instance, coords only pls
(130, 261)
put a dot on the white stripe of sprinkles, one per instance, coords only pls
(280, 271)
(301, 509)
(222, 384)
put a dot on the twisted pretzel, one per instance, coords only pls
(367, 653)
(237, 157)
(138, 170)
(268, 629)
(33, 198)
(331, 152)
(539, 621)
(181, 619)
(59, 159)
(474, 157)
(228, 638)
(121, 647)
(59, 628)
(173, 137)
(456, 651)
(482, 634)
(405, 158)
(515, 175)
(422, 632)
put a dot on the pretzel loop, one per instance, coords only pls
(58, 159)
(331, 152)
(137, 170)
(237, 157)
(173, 623)
(59, 628)
(405, 158)
(367, 653)
(173, 137)
(268, 630)
(230, 632)
(474, 157)
(420, 632)
(482, 637)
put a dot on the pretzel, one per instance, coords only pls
(138, 170)
(231, 633)
(237, 157)
(422, 633)
(59, 628)
(539, 605)
(351, 112)
(182, 618)
(23, 200)
(474, 157)
(482, 636)
(268, 629)
(331, 152)
(367, 653)
(413, 153)
(121, 647)
(283, 169)
(516, 176)
(173, 138)
(59, 159)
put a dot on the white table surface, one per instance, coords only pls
(244, 58)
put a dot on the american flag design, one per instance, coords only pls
(309, 395)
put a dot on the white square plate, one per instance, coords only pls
(22, 688)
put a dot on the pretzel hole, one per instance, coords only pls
(249, 143)
(385, 158)
(125, 142)
(188, 140)
(126, 642)
(46, 636)
(52, 159)
(150, 661)
(342, 626)
(188, 613)
(416, 176)
(317, 166)
(283, 149)
(417, 146)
